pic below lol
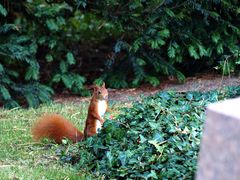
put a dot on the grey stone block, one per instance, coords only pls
(219, 157)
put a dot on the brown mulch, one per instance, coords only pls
(201, 82)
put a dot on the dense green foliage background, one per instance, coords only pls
(61, 45)
(157, 138)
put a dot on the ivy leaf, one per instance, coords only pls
(152, 174)
(122, 157)
(142, 139)
(189, 96)
(157, 145)
(109, 157)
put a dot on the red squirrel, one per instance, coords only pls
(55, 127)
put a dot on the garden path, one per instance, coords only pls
(200, 82)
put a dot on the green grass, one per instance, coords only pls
(21, 157)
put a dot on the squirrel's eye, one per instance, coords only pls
(99, 92)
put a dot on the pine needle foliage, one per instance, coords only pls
(39, 49)
(19, 69)
(39, 43)
(35, 52)
(159, 35)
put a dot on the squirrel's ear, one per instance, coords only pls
(95, 88)
(103, 85)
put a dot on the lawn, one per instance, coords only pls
(21, 157)
(162, 131)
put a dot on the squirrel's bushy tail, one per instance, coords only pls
(56, 127)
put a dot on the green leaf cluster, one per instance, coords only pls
(171, 38)
(19, 69)
(64, 44)
(38, 50)
(156, 138)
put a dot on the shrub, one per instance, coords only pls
(38, 50)
(62, 44)
(19, 69)
(157, 138)
(170, 38)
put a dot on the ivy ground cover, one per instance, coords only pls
(158, 138)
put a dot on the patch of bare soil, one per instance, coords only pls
(201, 82)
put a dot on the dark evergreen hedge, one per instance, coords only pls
(43, 44)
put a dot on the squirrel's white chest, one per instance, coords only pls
(102, 107)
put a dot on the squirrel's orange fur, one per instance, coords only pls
(55, 127)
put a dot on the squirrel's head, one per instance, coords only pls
(100, 92)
